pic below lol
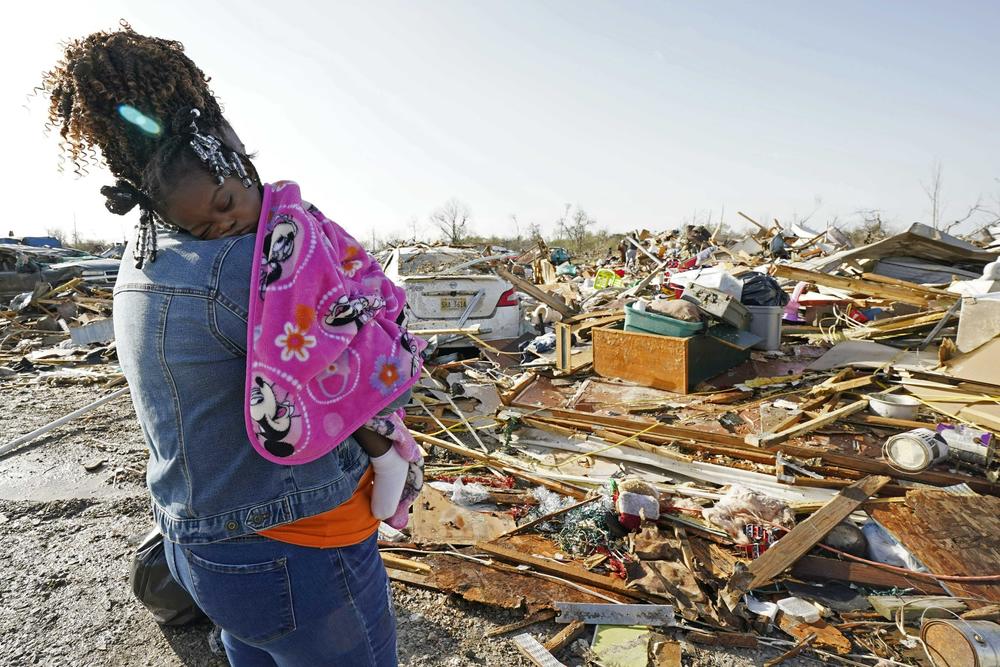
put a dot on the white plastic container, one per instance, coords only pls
(765, 321)
(915, 450)
(894, 407)
(714, 277)
(799, 609)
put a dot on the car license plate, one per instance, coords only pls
(454, 303)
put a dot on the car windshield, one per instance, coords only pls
(433, 262)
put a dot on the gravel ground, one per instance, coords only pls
(68, 536)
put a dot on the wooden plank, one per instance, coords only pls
(792, 652)
(539, 616)
(771, 439)
(875, 420)
(803, 537)
(437, 520)
(402, 563)
(737, 639)
(523, 285)
(565, 637)
(828, 637)
(858, 285)
(916, 287)
(804, 407)
(747, 217)
(817, 567)
(410, 578)
(507, 551)
(951, 535)
(529, 647)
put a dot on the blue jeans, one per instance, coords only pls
(283, 605)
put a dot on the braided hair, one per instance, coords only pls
(134, 103)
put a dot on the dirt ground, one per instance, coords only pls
(68, 535)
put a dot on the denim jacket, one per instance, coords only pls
(181, 332)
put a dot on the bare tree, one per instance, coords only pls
(534, 231)
(575, 228)
(933, 191)
(452, 220)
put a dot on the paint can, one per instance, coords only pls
(915, 450)
(959, 643)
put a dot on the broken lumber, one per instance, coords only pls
(539, 616)
(792, 652)
(565, 637)
(771, 439)
(803, 537)
(827, 637)
(719, 638)
(902, 292)
(580, 576)
(522, 285)
(817, 567)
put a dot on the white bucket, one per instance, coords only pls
(915, 450)
(765, 321)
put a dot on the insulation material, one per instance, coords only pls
(741, 506)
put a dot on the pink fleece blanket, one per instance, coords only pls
(325, 353)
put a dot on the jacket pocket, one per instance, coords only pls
(252, 602)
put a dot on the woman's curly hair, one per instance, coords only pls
(105, 70)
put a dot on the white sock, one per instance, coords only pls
(390, 477)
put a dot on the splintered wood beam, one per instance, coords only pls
(565, 637)
(771, 439)
(803, 537)
(523, 285)
(895, 292)
(539, 616)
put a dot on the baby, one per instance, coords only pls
(327, 355)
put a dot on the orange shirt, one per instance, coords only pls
(349, 523)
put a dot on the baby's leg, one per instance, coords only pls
(390, 472)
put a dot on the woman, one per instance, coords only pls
(283, 558)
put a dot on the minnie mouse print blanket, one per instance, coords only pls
(325, 350)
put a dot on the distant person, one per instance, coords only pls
(780, 246)
(283, 558)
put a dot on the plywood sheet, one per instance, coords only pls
(956, 535)
(437, 520)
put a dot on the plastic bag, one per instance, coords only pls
(154, 586)
(468, 494)
(760, 289)
(884, 548)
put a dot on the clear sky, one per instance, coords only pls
(643, 113)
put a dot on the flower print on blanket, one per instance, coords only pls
(294, 342)
(386, 376)
(324, 337)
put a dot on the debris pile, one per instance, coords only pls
(62, 334)
(783, 442)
